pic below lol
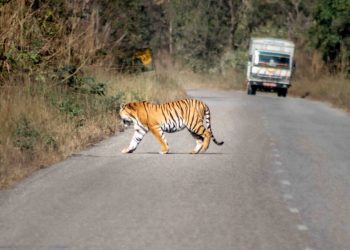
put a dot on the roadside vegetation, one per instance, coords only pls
(58, 91)
(43, 123)
(66, 66)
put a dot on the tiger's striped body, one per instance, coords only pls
(169, 117)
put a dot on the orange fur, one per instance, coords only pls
(169, 117)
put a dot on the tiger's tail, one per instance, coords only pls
(208, 124)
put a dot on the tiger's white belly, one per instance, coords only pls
(173, 126)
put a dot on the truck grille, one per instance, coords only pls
(268, 77)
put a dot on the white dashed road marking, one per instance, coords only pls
(278, 171)
(285, 182)
(276, 155)
(278, 163)
(293, 210)
(302, 228)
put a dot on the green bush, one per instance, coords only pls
(330, 34)
(2, 2)
(112, 103)
(70, 107)
(69, 76)
(25, 135)
(50, 142)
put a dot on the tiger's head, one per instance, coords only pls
(127, 114)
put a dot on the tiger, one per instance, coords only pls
(168, 117)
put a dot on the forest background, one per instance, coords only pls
(65, 66)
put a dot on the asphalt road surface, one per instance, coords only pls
(280, 181)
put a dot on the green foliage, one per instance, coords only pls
(69, 76)
(70, 107)
(97, 88)
(50, 142)
(89, 85)
(112, 103)
(197, 33)
(201, 32)
(130, 20)
(236, 59)
(20, 59)
(48, 26)
(32, 56)
(2, 2)
(330, 33)
(25, 135)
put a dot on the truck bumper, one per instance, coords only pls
(268, 86)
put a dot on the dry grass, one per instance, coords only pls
(312, 80)
(190, 80)
(55, 98)
(39, 127)
(148, 86)
(332, 89)
(36, 133)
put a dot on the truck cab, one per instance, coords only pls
(270, 65)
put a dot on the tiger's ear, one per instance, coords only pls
(122, 105)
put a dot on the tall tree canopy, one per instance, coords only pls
(331, 33)
(198, 33)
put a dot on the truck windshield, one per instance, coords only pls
(273, 60)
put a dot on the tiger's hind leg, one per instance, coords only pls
(203, 136)
(199, 143)
(207, 138)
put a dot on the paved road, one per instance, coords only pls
(280, 181)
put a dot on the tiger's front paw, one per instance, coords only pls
(164, 149)
(126, 151)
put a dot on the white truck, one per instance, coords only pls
(270, 65)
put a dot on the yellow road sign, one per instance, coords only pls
(144, 55)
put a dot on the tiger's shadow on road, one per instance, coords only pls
(77, 155)
(176, 153)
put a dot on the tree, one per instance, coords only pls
(331, 33)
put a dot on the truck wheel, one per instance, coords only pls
(282, 92)
(251, 89)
